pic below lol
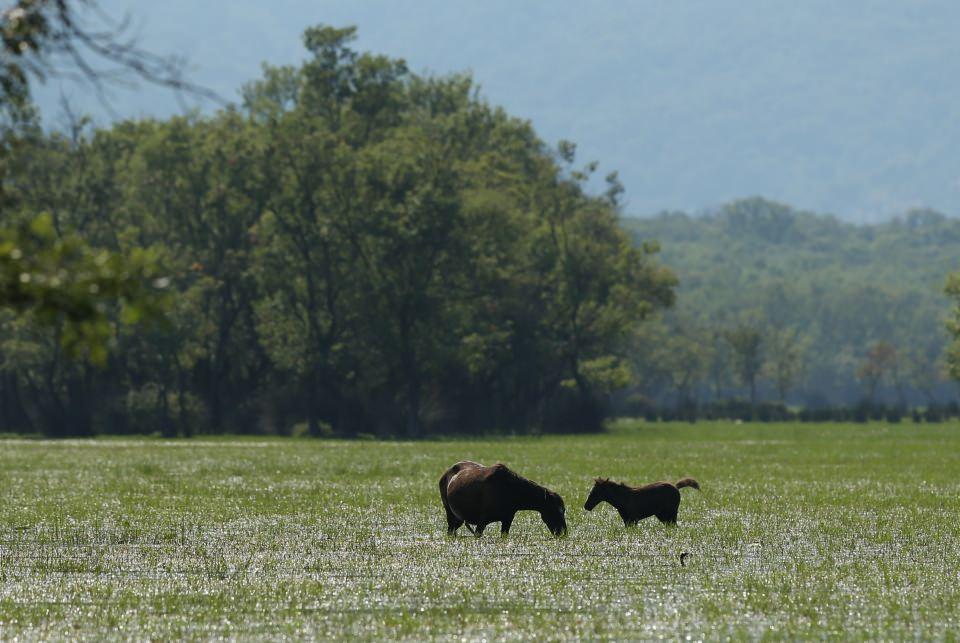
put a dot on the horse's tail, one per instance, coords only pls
(444, 480)
(449, 473)
(687, 482)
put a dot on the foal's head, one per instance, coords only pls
(553, 514)
(598, 494)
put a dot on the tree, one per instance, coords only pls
(925, 373)
(358, 248)
(598, 285)
(879, 361)
(56, 275)
(953, 326)
(785, 349)
(686, 362)
(64, 282)
(746, 341)
(43, 38)
(843, 285)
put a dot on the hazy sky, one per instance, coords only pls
(848, 107)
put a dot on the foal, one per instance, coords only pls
(660, 499)
(477, 495)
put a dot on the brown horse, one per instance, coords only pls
(479, 495)
(660, 499)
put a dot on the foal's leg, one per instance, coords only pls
(628, 520)
(472, 530)
(669, 516)
(480, 528)
(505, 525)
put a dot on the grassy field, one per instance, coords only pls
(800, 532)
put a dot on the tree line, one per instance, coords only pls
(354, 249)
(798, 309)
(358, 249)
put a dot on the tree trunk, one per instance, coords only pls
(414, 424)
(313, 413)
(185, 428)
(168, 427)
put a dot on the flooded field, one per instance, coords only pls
(799, 531)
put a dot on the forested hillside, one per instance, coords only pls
(812, 310)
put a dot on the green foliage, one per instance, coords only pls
(62, 283)
(50, 276)
(820, 292)
(786, 348)
(360, 248)
(24, 28)
(746, 340)
(953, 326)
(880, 359)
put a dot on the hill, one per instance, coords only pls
(823, 295)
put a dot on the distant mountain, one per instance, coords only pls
(844, 107)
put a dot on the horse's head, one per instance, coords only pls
(554, 514)
(598, 494)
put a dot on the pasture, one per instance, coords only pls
(800, 531)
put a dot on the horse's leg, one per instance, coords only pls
(472, 530)
(480, 528)
(505, 525)
(453, 523)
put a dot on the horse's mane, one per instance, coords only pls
(607, 482)
(515, 477)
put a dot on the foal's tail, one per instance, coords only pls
(687, 482)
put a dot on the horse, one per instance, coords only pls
(660, 499)
(473, 494)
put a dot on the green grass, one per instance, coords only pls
(800, 532)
